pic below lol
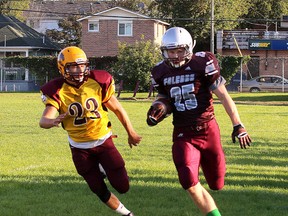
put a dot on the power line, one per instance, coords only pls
(248, 20)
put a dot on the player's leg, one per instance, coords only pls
(88, 168)
(114, 166)
(213, 159)
(187, 158)
(202, 199)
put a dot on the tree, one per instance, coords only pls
(265, 12)
(230, 65)
(195, 16)
(14, 8)
(70, 35)
(135, 63)
(141, 6)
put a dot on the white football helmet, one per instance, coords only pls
(174, 38)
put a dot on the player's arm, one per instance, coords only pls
(238, 129)
(228, 103)
(114, 105)
(50, 119)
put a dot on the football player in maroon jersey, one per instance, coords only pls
(188, 80)
(80, 100)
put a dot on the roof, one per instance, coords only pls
(14, 33)
(62, 9)
(108, 13)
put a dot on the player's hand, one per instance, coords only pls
(134, 139)
(154, 114)
(240, 132)
(59, 119)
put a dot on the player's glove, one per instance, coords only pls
(155, 115)
(240, 132)
(160, 109)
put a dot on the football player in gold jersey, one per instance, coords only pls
(79, 101)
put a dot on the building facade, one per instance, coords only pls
(268, 50)
(101, 32)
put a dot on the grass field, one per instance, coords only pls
(38, 178)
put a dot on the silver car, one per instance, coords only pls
(269, 83)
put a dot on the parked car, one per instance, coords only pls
(235, 82)
(270, 83)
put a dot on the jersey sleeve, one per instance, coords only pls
(50, 92)
(106, 82)
(212, 69)
(217, 83)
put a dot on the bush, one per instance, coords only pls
(135, 63)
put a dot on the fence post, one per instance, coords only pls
(136, 88)
(120, 88)
(283, 69)
(150, 91)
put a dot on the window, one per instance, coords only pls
(125, 28)
(93, 26)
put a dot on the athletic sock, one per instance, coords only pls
(215, 212)
(122, 210)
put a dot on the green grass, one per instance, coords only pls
(37, 175)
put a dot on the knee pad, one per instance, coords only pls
(105, 196)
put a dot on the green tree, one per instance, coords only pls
(230, 65)
(70, 33)
(14, 8)
(265, 12)
(195, 16)
(142, 6)
(135, 63)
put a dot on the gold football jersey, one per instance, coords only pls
(87, 118)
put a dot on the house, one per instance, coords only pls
(103, 25)
(102, 31)
(17, 39)
(268, 48)
(45, 14)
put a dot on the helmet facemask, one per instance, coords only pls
(178, 61)
(76, 72)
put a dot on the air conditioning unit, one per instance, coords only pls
(284, 21)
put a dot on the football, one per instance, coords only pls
(160, 109)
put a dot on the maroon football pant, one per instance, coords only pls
(87, 162)
(194, 147)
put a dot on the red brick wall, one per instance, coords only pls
(268, 64)
(105, 42)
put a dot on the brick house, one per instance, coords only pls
(102, 31)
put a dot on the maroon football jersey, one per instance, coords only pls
(189, 88)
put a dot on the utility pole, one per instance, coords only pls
(212, 28)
